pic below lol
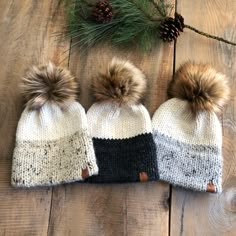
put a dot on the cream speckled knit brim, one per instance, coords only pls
(42, 163)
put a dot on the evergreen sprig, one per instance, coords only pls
(134, 21)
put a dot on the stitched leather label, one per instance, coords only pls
(85, 173)
(211, 188)
(143, 177)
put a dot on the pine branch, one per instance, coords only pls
(133, 21)
(209, 35)
(161, 7)
(143, 11)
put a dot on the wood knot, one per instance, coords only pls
(222, 208)
(166, 201)
(230, 199)
(143, 177)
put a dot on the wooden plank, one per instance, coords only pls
(203, 213)
(26, 29)
(119, 209)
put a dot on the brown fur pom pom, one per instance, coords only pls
(201, 85)
(48, 83)
(122, 83)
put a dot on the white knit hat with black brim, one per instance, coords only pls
(52, 141)
(187, 132)
(121, 126)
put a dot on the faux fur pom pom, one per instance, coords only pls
(201, 85)
(122, 83)
(48, 83)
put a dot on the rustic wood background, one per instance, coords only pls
(27, 34)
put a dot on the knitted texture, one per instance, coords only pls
(187, 165)
(188, 147)
(125, 160)
(123, 143)
(111, 121)
(53, 147)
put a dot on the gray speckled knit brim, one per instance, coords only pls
(47, 163)
(196, 167)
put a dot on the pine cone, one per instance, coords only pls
(170, 27)
(179, 22)
(102, 12)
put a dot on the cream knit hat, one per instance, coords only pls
(187, 132)
(52, 141)
(121, 127)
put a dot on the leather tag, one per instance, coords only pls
(85, 173)
(143, 177)
(211, 188)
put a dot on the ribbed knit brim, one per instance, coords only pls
(195, 167)
(127, 160)
(53, 162)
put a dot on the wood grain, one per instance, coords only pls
(120, 209)
(26, 29)
(203, 213)
(129, 209)
(27, 37)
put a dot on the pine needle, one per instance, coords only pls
(133, 21)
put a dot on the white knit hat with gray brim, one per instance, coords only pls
(188, 133)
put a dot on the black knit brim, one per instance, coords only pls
(125, 160)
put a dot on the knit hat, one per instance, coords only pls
(187, 132)
(52, 141)
(121, 126)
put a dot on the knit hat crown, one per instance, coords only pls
(186, 129)
(121, 126)
(52, 142)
